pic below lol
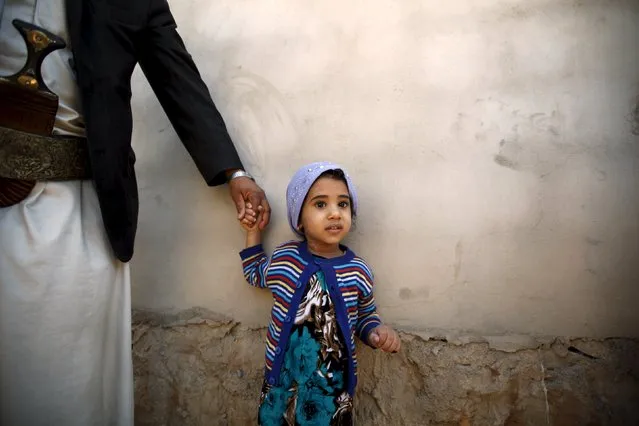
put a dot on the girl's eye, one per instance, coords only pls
(320, 204)
(344, 204)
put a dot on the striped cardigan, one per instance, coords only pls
(349, 282)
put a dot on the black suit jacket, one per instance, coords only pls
(108, 38)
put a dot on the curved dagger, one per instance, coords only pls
(26, 103)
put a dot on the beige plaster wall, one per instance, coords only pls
(494, 144)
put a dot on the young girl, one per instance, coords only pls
(323, 297)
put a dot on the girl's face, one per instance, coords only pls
(326, 215)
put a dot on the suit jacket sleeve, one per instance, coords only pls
(185, 98)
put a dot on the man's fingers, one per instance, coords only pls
(246, 192)
(265, 213)
(254, 198)
(239, 204)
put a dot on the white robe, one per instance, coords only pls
(65, 310)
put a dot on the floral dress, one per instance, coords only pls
(312, 387)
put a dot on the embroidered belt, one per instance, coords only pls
(27, 156)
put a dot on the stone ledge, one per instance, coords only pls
(198, 368)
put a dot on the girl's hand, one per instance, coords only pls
(249, 221)
(385, 338)
(250, 224)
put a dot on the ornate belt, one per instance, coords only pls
(27, 156)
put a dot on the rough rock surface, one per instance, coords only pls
(195, 368)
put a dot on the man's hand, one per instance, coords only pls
(244, 190)
(385, 338)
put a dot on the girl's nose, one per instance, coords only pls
(334, 213)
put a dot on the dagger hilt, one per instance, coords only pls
(40, 43)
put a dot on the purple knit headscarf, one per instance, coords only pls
(301, 183)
